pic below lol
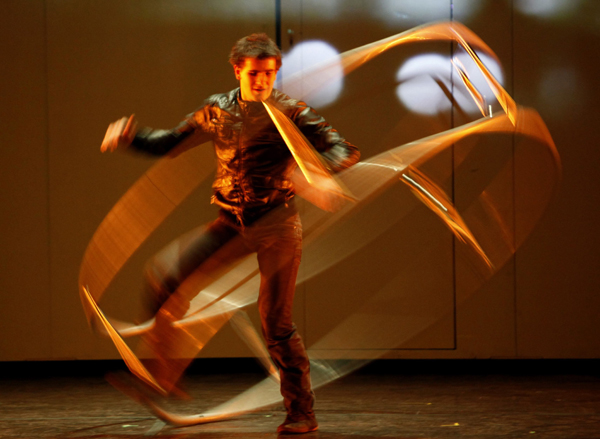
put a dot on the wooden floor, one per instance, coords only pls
(399, 399)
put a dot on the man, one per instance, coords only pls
(254, 190)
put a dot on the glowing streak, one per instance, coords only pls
(475, 94)
(427, 32)
(425, 191)
(303, 160)
(507, 103)
(393, 168)
(133, 363)
(309, 162)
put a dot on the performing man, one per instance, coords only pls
(254, 190)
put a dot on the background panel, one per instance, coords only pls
(557, 285)
(485, 313)
(25, 297)
(71, 67)
(398, 291)
(110, 59)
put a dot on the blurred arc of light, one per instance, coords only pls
(156, 194)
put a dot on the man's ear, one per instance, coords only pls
(237, 71)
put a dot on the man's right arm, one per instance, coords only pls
(161, 142)
(123, 134)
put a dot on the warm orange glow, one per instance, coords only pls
(323, 190)
(202, 305)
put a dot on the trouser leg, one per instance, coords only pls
(279, 254)
(207, 248)
(294, 370)
(175, 276)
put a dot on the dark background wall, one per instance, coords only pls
(70, 67)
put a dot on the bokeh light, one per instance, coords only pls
(424, 82)
(546, 8)
(560, 91)
(415, 12)
(304, 56)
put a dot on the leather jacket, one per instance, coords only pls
(254, 165)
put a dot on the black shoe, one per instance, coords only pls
(295, 425)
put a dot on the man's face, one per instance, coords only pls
(256, 77)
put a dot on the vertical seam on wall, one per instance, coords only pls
(47, 149)
(278, 23)
(514, 182)
(301, 32)
(304, 287)
(452, 103)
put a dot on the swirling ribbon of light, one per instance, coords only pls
(161, 189)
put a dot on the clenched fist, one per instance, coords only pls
(119, 134)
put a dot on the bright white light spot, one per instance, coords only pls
(546, 8)
(560, 91)
(415, 12)
(425, 82)
(324, 10)
(207, 10)
(312, 71)
(418, 89)
(410, 12)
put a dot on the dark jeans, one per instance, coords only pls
(276, 238)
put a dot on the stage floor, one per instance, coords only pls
(368, 404)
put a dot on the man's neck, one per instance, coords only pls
(246, 101)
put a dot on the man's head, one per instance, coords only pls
(256, 60)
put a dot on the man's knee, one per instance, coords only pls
(157, 288)
(277, 333)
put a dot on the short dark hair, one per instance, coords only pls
(258, 46)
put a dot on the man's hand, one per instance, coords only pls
(119, 134)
